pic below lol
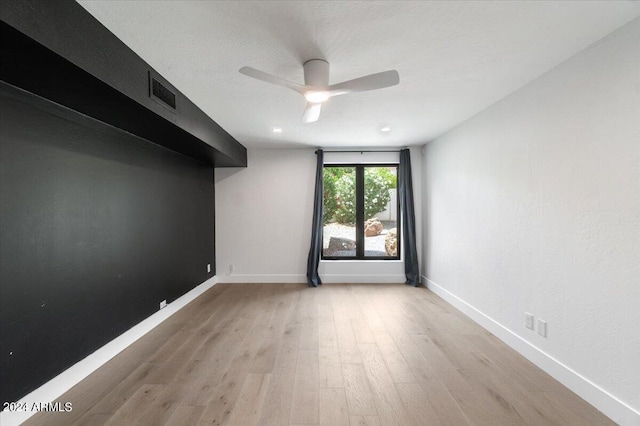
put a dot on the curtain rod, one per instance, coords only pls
(364, 150)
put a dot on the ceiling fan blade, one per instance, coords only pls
(260, 75)
(311, 112)
(370, 82)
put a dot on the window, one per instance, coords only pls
(361, 212)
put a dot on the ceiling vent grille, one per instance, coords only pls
(161, 93)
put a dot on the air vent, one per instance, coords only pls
(161, 93)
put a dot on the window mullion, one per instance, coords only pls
(360, 212)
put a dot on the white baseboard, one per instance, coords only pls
(363, 278)
(262, 278)
(608, 404)
(60, 384)
(302, 279)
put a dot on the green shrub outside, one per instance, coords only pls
(340, 187)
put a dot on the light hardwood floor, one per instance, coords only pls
(286, 354)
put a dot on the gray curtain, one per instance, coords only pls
(313, 279)
(405, 190)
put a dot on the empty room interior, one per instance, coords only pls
(320, 212)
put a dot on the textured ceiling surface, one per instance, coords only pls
(455, 58)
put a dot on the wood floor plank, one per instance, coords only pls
(185, 415)
(398, 367)
(361, 330)
(307, 307)
(345, 337)
(206, 304)
(415, 359)
(305, 404)
(368, 309)
(549, 396)
(130, 412)
(389, 406)
(325, 308)
(170, 347)
(483, 409)
(216, 355)
(417, 405)
(387, 301)
(433, 388)
(330, 368)
(277, 407)
(442, 365)
(327, 337)
(364, 421)
(307, 316)
(248, 408)
(224, 396)
(447, 408)
(187, 370)
(580, 412)
(333, 407)
(357, 391)
(287, 354)
(98, 419)
(264, 359)
(359, 322)
(123, 390)
(532, 407)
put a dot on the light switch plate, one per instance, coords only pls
(528, 320)
(542, 328)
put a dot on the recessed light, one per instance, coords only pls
(277, 130)
(385, 129)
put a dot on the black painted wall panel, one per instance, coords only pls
(97, 226)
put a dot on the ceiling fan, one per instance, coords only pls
(316, 88)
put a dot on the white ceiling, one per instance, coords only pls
(455, 58)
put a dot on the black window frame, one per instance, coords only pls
(360, 210)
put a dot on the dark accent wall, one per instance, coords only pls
(97, 226)
(106, 195)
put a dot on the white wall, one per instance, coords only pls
(263, 216)
(263, 220)
(534, 205)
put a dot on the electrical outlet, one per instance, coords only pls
(528, 320)
(208, 267)
(163, 304)
(230, 269)
(542, 328)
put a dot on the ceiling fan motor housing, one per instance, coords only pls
(316, 73)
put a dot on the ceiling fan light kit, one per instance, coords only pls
(316, 88)
(316, 96)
